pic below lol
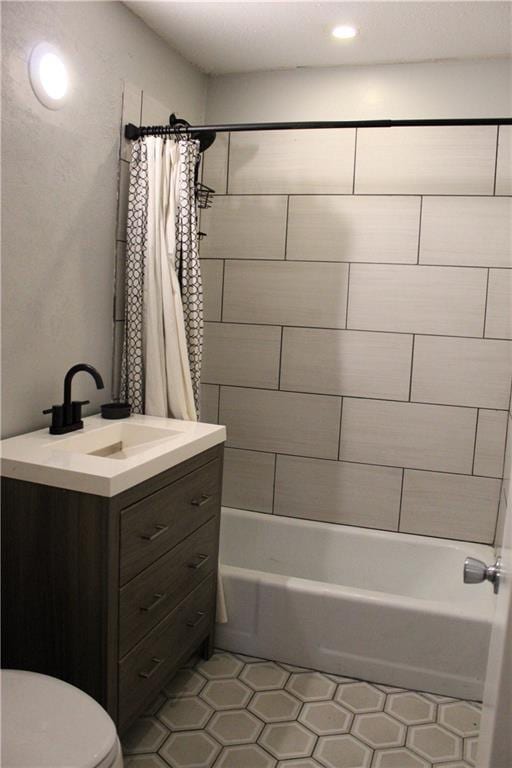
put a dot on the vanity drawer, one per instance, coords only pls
(157, 523)
(147, 598)
(146, 669)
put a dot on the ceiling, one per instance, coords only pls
(225, 37)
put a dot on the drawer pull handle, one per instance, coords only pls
(199, 617)
(203, 499)
(201, 560)
(152, 536)
(156, 664)
(159, 596)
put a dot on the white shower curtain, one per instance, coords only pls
(167, 376)
(159, 342)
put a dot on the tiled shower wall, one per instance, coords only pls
(357, 297)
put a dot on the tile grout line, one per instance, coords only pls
(486, 301)
(439, 265)
(358, 463)
(485, 195)
(496, 160)
(274, 485)
(340, 427)
(287, 217)
(227, 163)
(347, 297)
(475, 442)
(353, 397)
(412, 366)
(419, 229)
(280, 366)
(352, 330)
(354, 167)
(401, 500)
(222, 291)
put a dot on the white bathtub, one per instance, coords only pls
(355, 602)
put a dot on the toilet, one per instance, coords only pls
(47, 723)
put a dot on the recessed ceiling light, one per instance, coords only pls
(48, 75)
(344, 32)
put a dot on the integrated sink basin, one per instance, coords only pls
(105, 458)
(116, 441)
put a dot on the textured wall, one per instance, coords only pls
(357, 343)
(59, 184)
(429, 90)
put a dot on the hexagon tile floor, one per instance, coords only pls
(239, 712)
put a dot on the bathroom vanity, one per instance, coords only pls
(110, 548)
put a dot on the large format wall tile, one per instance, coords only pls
(281, 422)
(215, 164)
(286, 293)
(467, 231)
(498, 319)
(475, 372)
(248, 480)
(246, 355)
(417, 299)
(408, 435)
(338, 492)
(361, 228)
(245, 227)
(122, 199)
(294, 162)
(490, 443)
(209, 403)
(455, 160)
(450, 506)
(212, 276)
(504, 164)
(357, 363)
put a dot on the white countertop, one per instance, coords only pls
(40, 457)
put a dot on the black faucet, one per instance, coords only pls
(68, 416)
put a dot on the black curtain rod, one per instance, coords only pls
(134, 132)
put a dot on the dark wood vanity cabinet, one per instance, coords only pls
(112, 594)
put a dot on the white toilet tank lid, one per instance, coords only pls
(47, 723)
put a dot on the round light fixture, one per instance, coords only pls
(48, 76)
(344, 32)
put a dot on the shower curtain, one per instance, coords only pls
(161, 362)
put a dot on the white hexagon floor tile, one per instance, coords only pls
(237, 727)
(187, 682)
(434, 743)
(326, 718)
(311, 686)
(360, 697)
(274, 706)
(146, 735)
(342, 752)
(306, 762)
(410, 708)
(287, 740)
(245, 756)
(457, 764)
(379, 730)
(266, 676)
(220, 666)
(398, 758)
(186, 714)
(193, 749)
(144, 761)
(470, 748)
(226, 694)
(460, 717)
